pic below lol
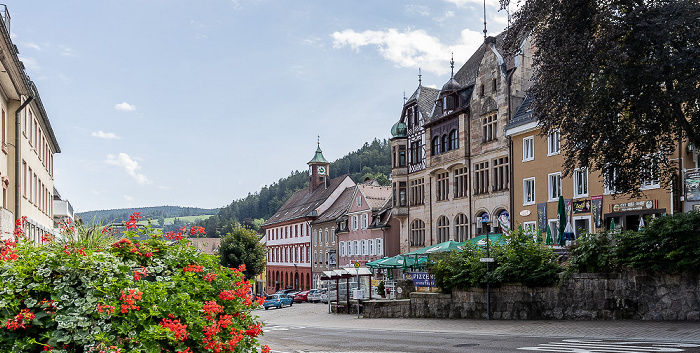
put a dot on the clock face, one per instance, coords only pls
(322, 170)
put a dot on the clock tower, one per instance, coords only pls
(318, 169)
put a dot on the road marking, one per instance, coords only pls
(600, 346)
(281, 328)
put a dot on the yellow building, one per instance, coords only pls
(590, 204)
(28, 146)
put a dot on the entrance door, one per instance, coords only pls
(582, 225)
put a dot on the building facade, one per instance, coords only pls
(288, 231)
(28, 147)
(450, 158)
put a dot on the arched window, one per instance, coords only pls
(445, 146)
(417, 233)
(436, 146)
(461, 224)
(443, 229)
(454, 140)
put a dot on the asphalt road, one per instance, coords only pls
(310, 328)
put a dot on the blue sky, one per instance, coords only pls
(198, 103)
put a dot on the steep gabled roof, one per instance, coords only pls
(425, 97)
(523, 115)
(339, 207)
(303, 202)
(467, 74)
(375, 196)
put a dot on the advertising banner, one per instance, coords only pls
(597, 211)
(542, 217)
(582, 206)
(692, 186)
(422, 279)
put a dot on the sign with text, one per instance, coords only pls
(422, 279)
(582, 206)
(632, 206)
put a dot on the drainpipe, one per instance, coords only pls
(18, 156)
(511, 163)
(430, 189)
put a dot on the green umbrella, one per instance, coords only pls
(561, 212)
(549, 240)
(441, 247)
(612, 224)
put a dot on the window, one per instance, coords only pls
(3, 127)
(445, 144)
(365, 221)
(363, 244)
(531, 229)
(460, 182)
(417, 233)
(354, 222)
(370, 246)
(442, 186)
(609, 180)
(358, 201)
(500, 174)
(489, 125)
(443, 229)
(528, 148)
(436, 146)
(402, 193)
(349, 250)
(409, 117)
(580, 182)
(481, 90)
(402, 156)
(379, 248)
(332, 234)
(326, 236)
(461, 224)
(554, 186)
(650, 175)
(24, 178)
(417, 192)
(554, 229)
(356, 249)
(481, 178)
(529, 191)
(494, 85)
(448, 103)
(454, 140)
(416, 152)
(553, 146)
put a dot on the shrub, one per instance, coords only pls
(517, 259)
(668, 244)
(593, 253)
(155, 295)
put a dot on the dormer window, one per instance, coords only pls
(409, 117)
(449, 103)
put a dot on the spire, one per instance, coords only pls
(404, 97)
(419, 77)
(484, 19)
(452, 65)
(318, 156)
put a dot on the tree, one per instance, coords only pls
(619, 80)
(242, 247)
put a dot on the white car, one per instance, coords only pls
(315, 297)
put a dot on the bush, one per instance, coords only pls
(155, 295)
(668, 244)
(518, 259)
(593, 253)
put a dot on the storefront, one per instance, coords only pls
(627, 215)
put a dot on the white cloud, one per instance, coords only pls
(125, 107)
(66, 51)
(105, 135)
(33, 46)
(418, 9)
(413, 49)
(129, 165)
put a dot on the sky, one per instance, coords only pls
(199, 103)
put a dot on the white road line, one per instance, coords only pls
(600, 346)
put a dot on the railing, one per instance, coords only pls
(5, 15)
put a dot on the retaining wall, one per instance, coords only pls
(586, 296)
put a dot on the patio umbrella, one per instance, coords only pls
(561, 212)
(641, 223)
(549, 240)
(612, 224)
(441, 247)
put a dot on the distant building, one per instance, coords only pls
(62, 210)
(288, 231)
(28, 145)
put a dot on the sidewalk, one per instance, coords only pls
(316, 315)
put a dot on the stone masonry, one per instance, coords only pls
(585, 296)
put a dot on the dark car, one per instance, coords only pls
(277, 301)
(302, 296)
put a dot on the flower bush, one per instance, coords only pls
(152, 295)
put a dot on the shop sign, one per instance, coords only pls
(692, 186)
(632, 206)
(582, 206)
(597, 210)
(422, 279)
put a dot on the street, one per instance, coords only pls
(309, 328)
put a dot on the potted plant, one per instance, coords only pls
(381, 289)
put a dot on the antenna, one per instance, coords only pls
(484, 19)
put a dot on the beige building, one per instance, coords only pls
(28, 146)
(591, 205)
(450, 158)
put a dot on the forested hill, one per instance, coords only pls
(157, 212)
(373, 160)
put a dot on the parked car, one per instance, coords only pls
(277, 300)
(315, 297)
(324, 297)
(301, 296)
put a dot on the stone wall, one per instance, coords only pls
(586, 296)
